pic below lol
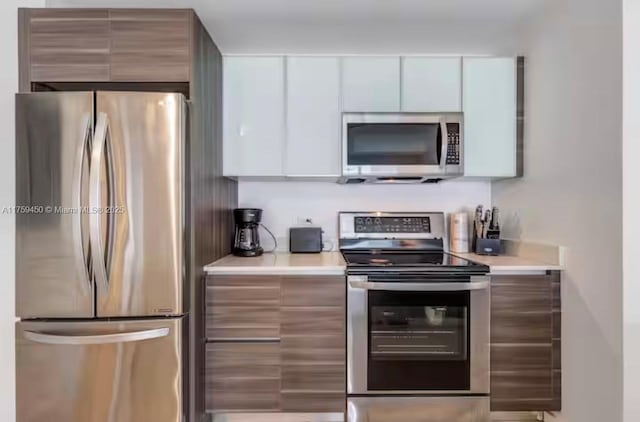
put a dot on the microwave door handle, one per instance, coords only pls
(445, 143)
(421, 287)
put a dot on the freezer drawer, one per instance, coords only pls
(119, 371)
(418, 409)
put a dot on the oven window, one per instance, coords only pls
(391, 144)
(418, 333)
(418, 341)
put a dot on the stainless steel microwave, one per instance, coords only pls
(401, 147)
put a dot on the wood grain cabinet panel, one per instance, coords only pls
(313, 344)
(242, 322)
(525, 343)
(243, 307)
(313, 291)
(66, 44)
(243, 376)
(243, 291)
(304, 316)
(150, 45)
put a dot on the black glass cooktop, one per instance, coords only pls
(407, 259)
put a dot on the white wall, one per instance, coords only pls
(8, 86)
(631, 177)
(571, 194)
(284, 202)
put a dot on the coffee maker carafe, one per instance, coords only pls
(247, 239)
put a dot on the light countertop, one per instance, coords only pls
(330, 263)
(510, 264)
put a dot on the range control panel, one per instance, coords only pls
(453, 150)
(405, 230)
(392, 224)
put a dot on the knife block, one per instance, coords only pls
(487, 246)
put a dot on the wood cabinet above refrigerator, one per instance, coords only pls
(105, 45)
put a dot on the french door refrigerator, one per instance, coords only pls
(100, 257)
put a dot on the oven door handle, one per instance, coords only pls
(420, 287)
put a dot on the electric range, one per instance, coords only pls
(417, 321)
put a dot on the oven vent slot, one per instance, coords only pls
(417, 278)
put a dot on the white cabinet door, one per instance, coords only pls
(253, 109)
(489, 105)
(431, 84)
(371, 83)
(314, 117)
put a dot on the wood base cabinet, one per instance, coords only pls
(276, 344)
(525, 342)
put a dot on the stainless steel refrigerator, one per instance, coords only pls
(100, 257)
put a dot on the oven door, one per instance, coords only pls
(418, 335)
(399, 145)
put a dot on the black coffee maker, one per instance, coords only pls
(247, 239)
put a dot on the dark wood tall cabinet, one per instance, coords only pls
(149, 50)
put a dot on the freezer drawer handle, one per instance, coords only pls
(97, 339)
(420, 287)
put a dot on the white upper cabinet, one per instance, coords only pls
(371, 84)
(431, 84)
(254, 121)
(313, 117)
(489, 105)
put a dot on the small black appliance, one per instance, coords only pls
(247, 239)
(305, 240)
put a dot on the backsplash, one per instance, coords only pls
(287, 204)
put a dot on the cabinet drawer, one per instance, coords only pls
(243, 376)
(519, 390)
(240, 322)
(313, 291)
(243, 291)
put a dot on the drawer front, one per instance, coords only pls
(243, 291)
(313, 291)
(243, 376)
(241, 307)
(521, 309)
(242, 322)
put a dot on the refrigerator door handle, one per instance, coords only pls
(82, 261)
(96, 339)
(98, 256)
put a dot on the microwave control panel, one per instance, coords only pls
(453, 149)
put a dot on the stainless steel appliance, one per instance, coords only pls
(247, 238)
(417, 322)
(401, 147)
(100, 257)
